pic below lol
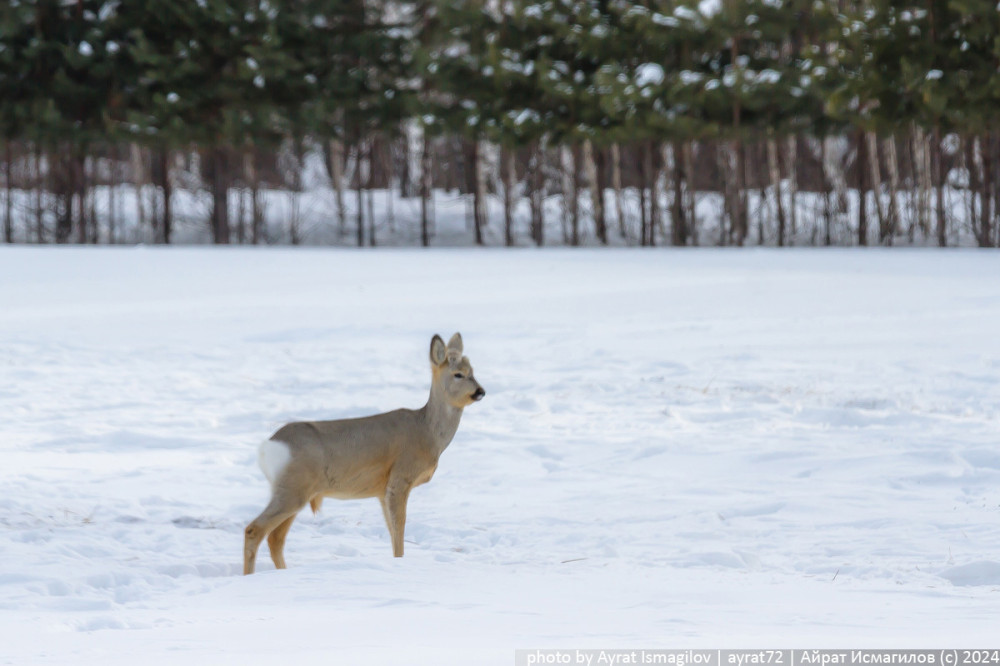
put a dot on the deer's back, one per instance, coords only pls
(353, 457)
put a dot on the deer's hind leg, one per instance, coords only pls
(276, 542)
(281, 509)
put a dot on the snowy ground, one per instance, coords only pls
(709, 448)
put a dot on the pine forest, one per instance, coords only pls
(530, 122)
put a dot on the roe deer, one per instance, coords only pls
(382, 456)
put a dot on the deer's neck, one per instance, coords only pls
(442, 419)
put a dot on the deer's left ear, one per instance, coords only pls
(455, 344)
(439, 354)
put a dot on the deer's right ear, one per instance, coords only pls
(439, 353)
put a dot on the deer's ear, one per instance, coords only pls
(455, 344)
(439, 354)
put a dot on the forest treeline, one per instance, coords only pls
(883, 112)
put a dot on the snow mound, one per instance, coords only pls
(985, 572)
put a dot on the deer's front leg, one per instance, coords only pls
(394, 508)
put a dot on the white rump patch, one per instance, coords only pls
(272, 457)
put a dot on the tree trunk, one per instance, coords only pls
(827, 190)
(112, 188)
(79, 166)
(739, 221)
(594, 187)
(41, 184)
(536, 196)
(991, 159)
(678, 228)
(690, 182)
(63, 191)
(645, 177)
(655, 215)
(390, 185)
(575, 198)
(509, 183)
(93, 225)
(763, 209)
(63, 186)
(139, 176)
(661, 186)
(939, 178)
(8, 217)
(425, 190)
(360, 183)
(923, 179)
(246, 175)
(774, 170)
(616, 185)
(411, 154)
(982, 161)
(337, 180)
(370, 188)
(722, 173)
(601, 177)
(154, 202)
(241, 206)
(862, 164)
(994, 152)
(567, 174)
(294, 235)
(469, 176)
(256, 220)
(732, 159)
(743, 209)
(163, 172)
(875, 176)
(971, 167)
(220, 196)
(833, 170)
(725, 159)
(479, 193)
(892, 166)
(791, 164)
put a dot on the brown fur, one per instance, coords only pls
(383, 456)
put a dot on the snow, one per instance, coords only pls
(974, 573)
(524, 116)
(668, 21)
(691, 78)
(649, 73)
(707, 8)
(768, 77)
(707, 448)
(534, 11)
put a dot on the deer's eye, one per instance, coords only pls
(459, 375)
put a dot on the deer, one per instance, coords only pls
(385, 456)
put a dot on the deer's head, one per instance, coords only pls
(453, 372)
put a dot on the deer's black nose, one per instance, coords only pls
(478, 395)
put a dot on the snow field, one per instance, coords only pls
(677, 449)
